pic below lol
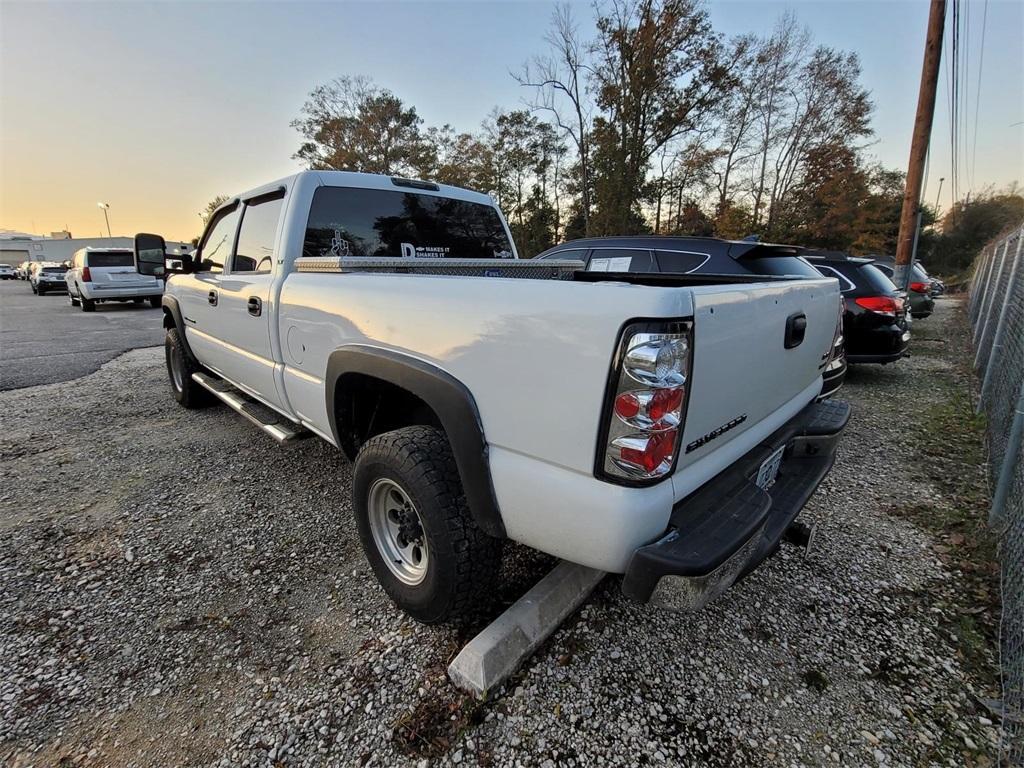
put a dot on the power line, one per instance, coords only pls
(947, 46)
(964, 114)
(977, 95)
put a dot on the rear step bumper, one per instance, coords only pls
(727, 527)
(282, 430)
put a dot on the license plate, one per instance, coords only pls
(122, 277)
(770, 469)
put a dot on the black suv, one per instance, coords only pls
(701, 255)
(875, 325)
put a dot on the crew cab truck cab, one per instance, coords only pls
(656, 426)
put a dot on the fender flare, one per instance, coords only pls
(454, 405)
(171, 307)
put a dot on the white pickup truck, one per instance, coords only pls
(663, 427)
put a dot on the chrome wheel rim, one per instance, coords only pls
(398, 531)
(177, 370)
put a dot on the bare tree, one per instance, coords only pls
(559, 81)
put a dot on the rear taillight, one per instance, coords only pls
(647, 401)
(837, 337)
(883, 305)
(919, 287)
(86, 277)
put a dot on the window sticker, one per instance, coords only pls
(619, 264)
(410, 251)
(598, 265)
(339, 246)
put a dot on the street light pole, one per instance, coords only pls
(105, 207)
(938, 196)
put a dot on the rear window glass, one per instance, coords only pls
(375, 222)
(55, 270)
(916, 272)
(780, 265)
(110, 260)
(874, 280)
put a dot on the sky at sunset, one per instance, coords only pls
(155, 108)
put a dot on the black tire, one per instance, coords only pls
(40, 292)
(72, 298)
(137, 301)
(463, 561)
(88, 305)
(32, 287)
(155, 301)
(185, 390)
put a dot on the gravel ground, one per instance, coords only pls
(177, 590)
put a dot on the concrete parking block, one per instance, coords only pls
(493, 655)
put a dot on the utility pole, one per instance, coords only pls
(919, 142)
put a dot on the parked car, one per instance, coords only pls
(922, 304)
(702, 255)
(7, 272)
(46, 277)
(875, 324)
(23, 270)
(632, 423)
(108, 274)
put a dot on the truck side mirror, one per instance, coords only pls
(150, 254)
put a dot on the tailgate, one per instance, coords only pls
(120, 277)
(742, 372)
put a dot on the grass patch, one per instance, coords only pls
(948, 440)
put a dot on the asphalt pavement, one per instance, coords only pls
(44, 340)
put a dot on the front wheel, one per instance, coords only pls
(72, 298)
(416, 528)
(155, 301)
(180, 367)
(40, 291)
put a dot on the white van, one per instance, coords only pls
(108, 274)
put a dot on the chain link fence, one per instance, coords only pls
(996, 310)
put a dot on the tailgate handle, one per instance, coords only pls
(796, 329)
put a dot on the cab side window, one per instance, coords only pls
(255, 251)
(217, 244)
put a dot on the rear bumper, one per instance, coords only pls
(884, 344)
(94, 292)
(730, 525)
(833, 377)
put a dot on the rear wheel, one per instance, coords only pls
(180, 367)
(416, 529)
(88, 305)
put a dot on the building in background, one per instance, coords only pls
(16, 247)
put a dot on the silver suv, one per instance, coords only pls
(109, 274)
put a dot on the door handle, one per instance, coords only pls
(796, 329)
(255, 306)
(212, 298)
